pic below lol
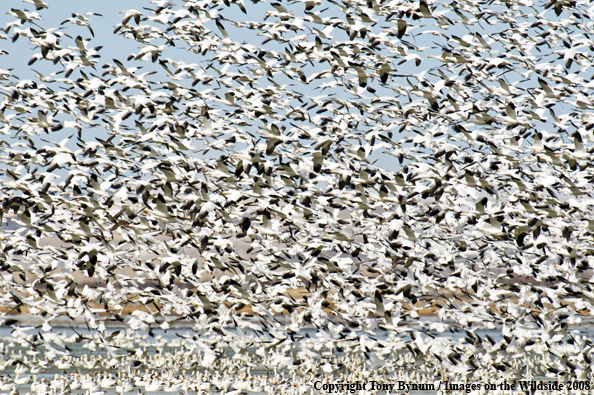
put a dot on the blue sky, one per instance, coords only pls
(422, 38)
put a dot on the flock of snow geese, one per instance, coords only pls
(348, 188)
